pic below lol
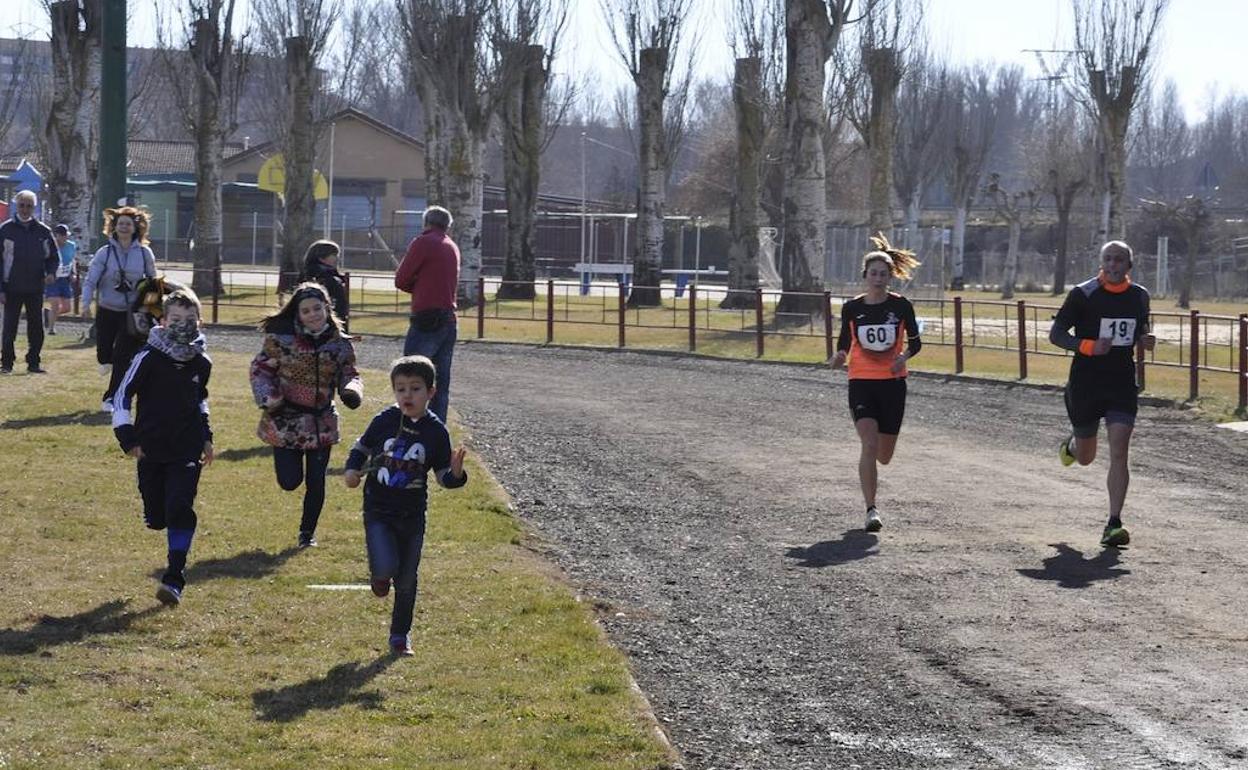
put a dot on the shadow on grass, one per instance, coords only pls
(80, 417)
(50, 631)
(256, 563)
(1069, 569)
(854, 544)
(337, 688)
(234, 455)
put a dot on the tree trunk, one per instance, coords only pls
(652, 195)
(958, 258)
(744, 216)
(1188, 276)
(914, 239)
(69, 133)
(808, 36)
(1116, 174)
(1064, 204)
(299, 157)
(522, 119)
(209, 150)
(885, 74)
(1009, 271)
(465, 187)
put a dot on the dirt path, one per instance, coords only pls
(712, 511)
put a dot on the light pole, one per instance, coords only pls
(583, 196)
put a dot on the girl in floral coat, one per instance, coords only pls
(305, 359)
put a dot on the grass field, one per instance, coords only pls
(255, 669)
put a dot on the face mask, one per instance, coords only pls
(183, 332)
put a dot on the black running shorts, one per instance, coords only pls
(1087, 404)
(881, 400)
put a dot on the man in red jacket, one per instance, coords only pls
(430, 273)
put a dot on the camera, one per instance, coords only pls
(123, 285)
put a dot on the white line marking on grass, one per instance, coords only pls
(342, 587)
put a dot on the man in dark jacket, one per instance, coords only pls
(30, 259)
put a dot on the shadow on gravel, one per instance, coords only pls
(81, 417)
(854, 544)
(50, 631)
(337, 688)
(1069, 569)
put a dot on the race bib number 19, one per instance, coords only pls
(1120, 330)
(877, 337)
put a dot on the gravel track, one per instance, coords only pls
(711, 511)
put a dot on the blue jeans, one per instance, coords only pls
(438, 346)
(394, 552)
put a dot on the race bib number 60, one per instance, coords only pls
(877, 337)
(1120, 330)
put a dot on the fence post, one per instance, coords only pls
(622, 302)
(216, 289)
(758, 322)
(550, 310)
(693, 316)
(829, 345)
(1022, 339)
(957, 335)
(480, 306)
(1243, 361)
(1194, 376)
(1139, 364)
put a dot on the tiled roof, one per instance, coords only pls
(146, 157)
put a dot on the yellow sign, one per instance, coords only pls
(272, 177)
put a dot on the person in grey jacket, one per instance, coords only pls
(112, 281)
(30, 259)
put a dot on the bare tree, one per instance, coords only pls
(526, 41)
(450, 70)
(12, 88)
(1061, 166)
(1163, 143)
(758, 41)
(1191, 217)
(207, 83)
(972, 122)
(922, 107)
(69, 135)
(812, 30)
(1114, 40)
(647, 35)
(1016, 210)
(887, 32)
(301, 30)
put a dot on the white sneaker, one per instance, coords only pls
(106, 406)
(874, 524)
(106, 369)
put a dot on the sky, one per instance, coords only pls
(1201, 47)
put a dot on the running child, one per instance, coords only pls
(1109, 316)
(304, 360)
(871, 338)
(60, 292)
(171, 437)
(401, 445)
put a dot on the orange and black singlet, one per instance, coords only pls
(872, 335)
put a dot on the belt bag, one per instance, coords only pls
(431, 320)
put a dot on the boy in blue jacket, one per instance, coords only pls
(401, 445)
(171, 437)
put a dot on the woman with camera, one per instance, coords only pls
(111, 281)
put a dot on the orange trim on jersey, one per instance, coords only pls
(1113, 288)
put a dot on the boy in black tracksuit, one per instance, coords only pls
(171, 438)
(401, 445)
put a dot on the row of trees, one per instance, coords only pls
(822, 91)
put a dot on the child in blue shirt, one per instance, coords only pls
(394, 456)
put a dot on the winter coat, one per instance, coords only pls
(112, 262)
(293, 379)
(29, 254)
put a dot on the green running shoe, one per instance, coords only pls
(1063, 452)
(1115, 537)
